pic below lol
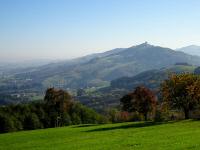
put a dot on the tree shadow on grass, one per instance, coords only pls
(85, 125)
(133, 125)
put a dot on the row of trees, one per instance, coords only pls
(57, 109)
(178, 93)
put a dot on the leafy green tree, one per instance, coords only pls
(31, 122)
(66, 119)
(6, 124)
(17, 123)
(76, 119)
(88, 115)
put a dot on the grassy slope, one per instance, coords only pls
(145, 136)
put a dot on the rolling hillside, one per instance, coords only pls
(110, 96)
(152, 78)
(92, 71)
(126, 136)
(98, 69)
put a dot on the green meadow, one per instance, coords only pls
(138, 136)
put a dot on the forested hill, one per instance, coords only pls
(110, 96)
(92, 71)
(151, 78)
(98, 70)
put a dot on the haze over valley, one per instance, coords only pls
(95, 72)
(99, 74)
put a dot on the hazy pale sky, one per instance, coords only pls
(58, 29)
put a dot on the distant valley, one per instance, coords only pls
(93, 72)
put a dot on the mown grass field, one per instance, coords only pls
(122, 136)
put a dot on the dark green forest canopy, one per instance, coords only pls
(57, 109)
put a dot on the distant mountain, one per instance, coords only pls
(192, 50)
(98, 70)
(91, 72)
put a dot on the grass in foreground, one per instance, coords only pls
(138, 136)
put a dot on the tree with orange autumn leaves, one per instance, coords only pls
(182, 92)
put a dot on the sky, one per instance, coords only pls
(64, 29)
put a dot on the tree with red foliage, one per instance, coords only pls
(142, 100)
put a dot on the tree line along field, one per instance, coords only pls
(137, 136)
(90, 130)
